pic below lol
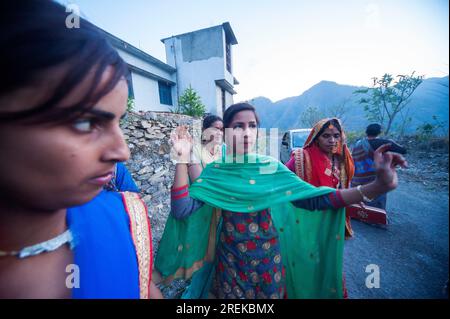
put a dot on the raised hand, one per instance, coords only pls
(181, 142)
(385, 165)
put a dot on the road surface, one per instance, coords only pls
(411, 253)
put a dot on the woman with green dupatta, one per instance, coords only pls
(250, 228)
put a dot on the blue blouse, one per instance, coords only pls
(104, 251)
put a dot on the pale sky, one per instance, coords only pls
(286, 46)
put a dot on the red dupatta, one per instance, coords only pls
(314, 166)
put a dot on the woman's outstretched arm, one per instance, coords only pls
(387, 180)
(329, 201)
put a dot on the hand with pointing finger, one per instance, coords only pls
(385, 164)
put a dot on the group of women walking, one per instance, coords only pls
(242, 225)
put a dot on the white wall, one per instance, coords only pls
(219, 101)
(228, 99)
(200, 74)
(146, 90)
(170, 52)
(137, 62)
(146, 94)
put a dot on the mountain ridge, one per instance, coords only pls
(430, 98)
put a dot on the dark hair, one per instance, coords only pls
(231, 111)
(334, 122)
(209, 120)
(34, 38)
(373, 129)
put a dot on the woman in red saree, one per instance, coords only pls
(325, 160)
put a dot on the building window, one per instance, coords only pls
(130, 86)
(228, 56)
(224, 106)
(165, 93)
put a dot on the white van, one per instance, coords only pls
(291, 140)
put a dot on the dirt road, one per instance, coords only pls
(411, 253)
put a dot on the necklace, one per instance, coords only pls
(46, 246)
(328, 170)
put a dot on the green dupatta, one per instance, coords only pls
(311, 242)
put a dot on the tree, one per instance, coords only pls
(130, 108)
(130, 104)
(311, 116)
(388, 97)
(338, 110)
(405, 121)
(190, 103)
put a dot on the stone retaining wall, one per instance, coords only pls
(147, 135)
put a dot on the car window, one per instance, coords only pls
(299, 138)
(285, 139)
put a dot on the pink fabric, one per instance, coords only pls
(291, 164)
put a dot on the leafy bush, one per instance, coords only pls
(130, 105)
(427, 130)
(190, 103)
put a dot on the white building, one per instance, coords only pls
(201, 59)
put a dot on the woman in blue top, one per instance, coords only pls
(62, 94)
(122, 181)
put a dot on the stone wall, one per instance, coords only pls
(147, 135)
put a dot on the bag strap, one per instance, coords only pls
(142, 239)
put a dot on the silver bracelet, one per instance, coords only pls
(364, 197)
